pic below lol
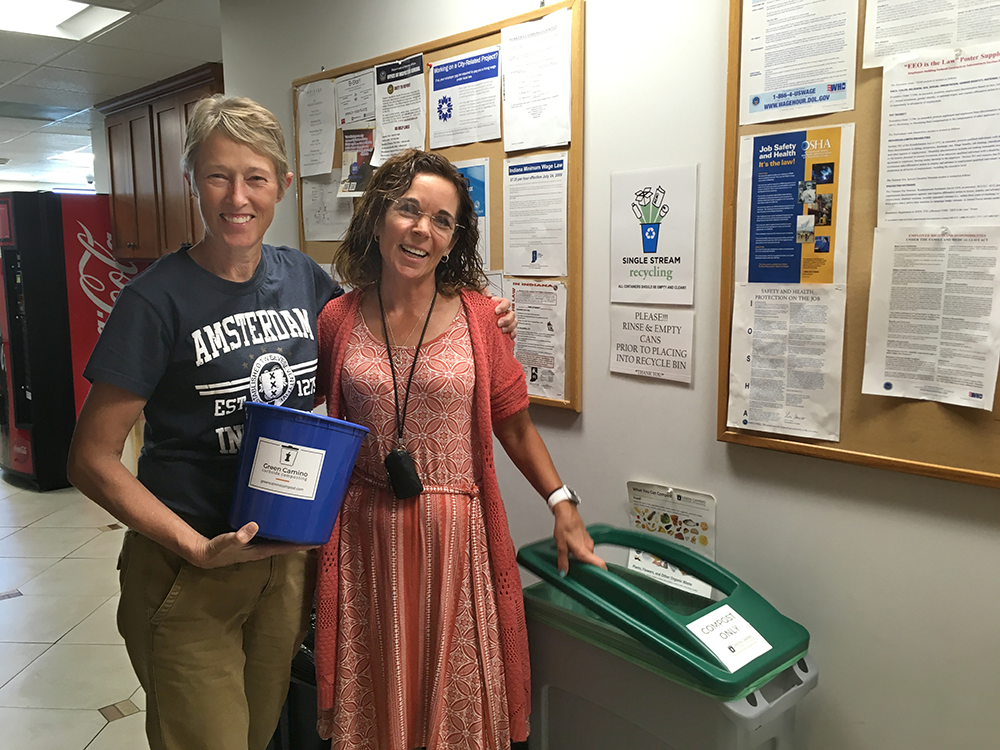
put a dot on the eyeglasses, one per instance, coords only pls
(443, 224)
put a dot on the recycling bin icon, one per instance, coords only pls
(650, 236)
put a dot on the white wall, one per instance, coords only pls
(102, 158)
(894, 575)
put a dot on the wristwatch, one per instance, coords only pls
(563, 493)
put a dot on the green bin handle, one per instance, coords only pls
(658, 627)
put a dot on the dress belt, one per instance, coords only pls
(382, 483)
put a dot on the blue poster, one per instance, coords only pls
(477, 174)
(778, 163)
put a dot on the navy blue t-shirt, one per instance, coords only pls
(196, 347)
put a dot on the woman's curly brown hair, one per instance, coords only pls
(358, 261)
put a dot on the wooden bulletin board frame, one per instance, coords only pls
(917, 437)
(469, 41)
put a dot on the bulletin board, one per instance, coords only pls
(917, 437)
(466, 42)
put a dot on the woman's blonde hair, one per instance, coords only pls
(242, 120)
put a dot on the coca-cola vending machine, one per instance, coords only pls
(58, 284)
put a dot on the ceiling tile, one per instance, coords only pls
(6, 136)
(97, 58)
(31, 48)
(48, 97)
(48, 86)
(204, 12)
(69, 128)
(47, 144)
(82, 82)
(11, 70)
(164, 36)
(43, 112)
(88, 116)
(18, 125)
(130, 5)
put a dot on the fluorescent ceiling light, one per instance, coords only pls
(76, 158)
(65, 19)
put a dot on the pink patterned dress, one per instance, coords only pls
(418, 654)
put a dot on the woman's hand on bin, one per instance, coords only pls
(572, 538)
(235, 547)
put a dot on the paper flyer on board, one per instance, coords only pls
(797, 58)
(540, 345)
(477, 174)
(317, 128)
(355, 97)
(683, 517)
(940, 149)
(534, 213)
(357, 168)
(652, 342)
(793, 204)
(536, 82)
(400, 107)
(933, 316)
(895, 28)
(324, 215)
(786, 359)
(653, 215)
(465, 98)
(496, 284)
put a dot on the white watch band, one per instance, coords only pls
(563, 493)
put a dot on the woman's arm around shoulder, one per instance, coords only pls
(335, 312)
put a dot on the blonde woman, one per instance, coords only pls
(211, 617)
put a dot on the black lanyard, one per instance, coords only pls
(401, 419)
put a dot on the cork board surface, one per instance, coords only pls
(919, 437)
(486, 36)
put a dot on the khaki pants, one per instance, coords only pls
(212, 648)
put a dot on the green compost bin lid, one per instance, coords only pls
(645, 622)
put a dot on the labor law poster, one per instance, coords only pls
(793, 206)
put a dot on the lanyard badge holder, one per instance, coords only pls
(400, 469)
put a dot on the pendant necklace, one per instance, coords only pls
(399, 466)
(392, 333)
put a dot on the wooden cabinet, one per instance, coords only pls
(133, 182)
(179, 219)
(152, 211)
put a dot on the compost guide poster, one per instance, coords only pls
(683, 517)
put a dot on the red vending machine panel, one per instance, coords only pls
(93, 279)
(59, 281)
(15, 443)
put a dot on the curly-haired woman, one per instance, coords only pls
(421, 638)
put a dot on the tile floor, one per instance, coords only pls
(65, 679)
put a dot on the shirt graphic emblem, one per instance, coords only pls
(271, 379)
